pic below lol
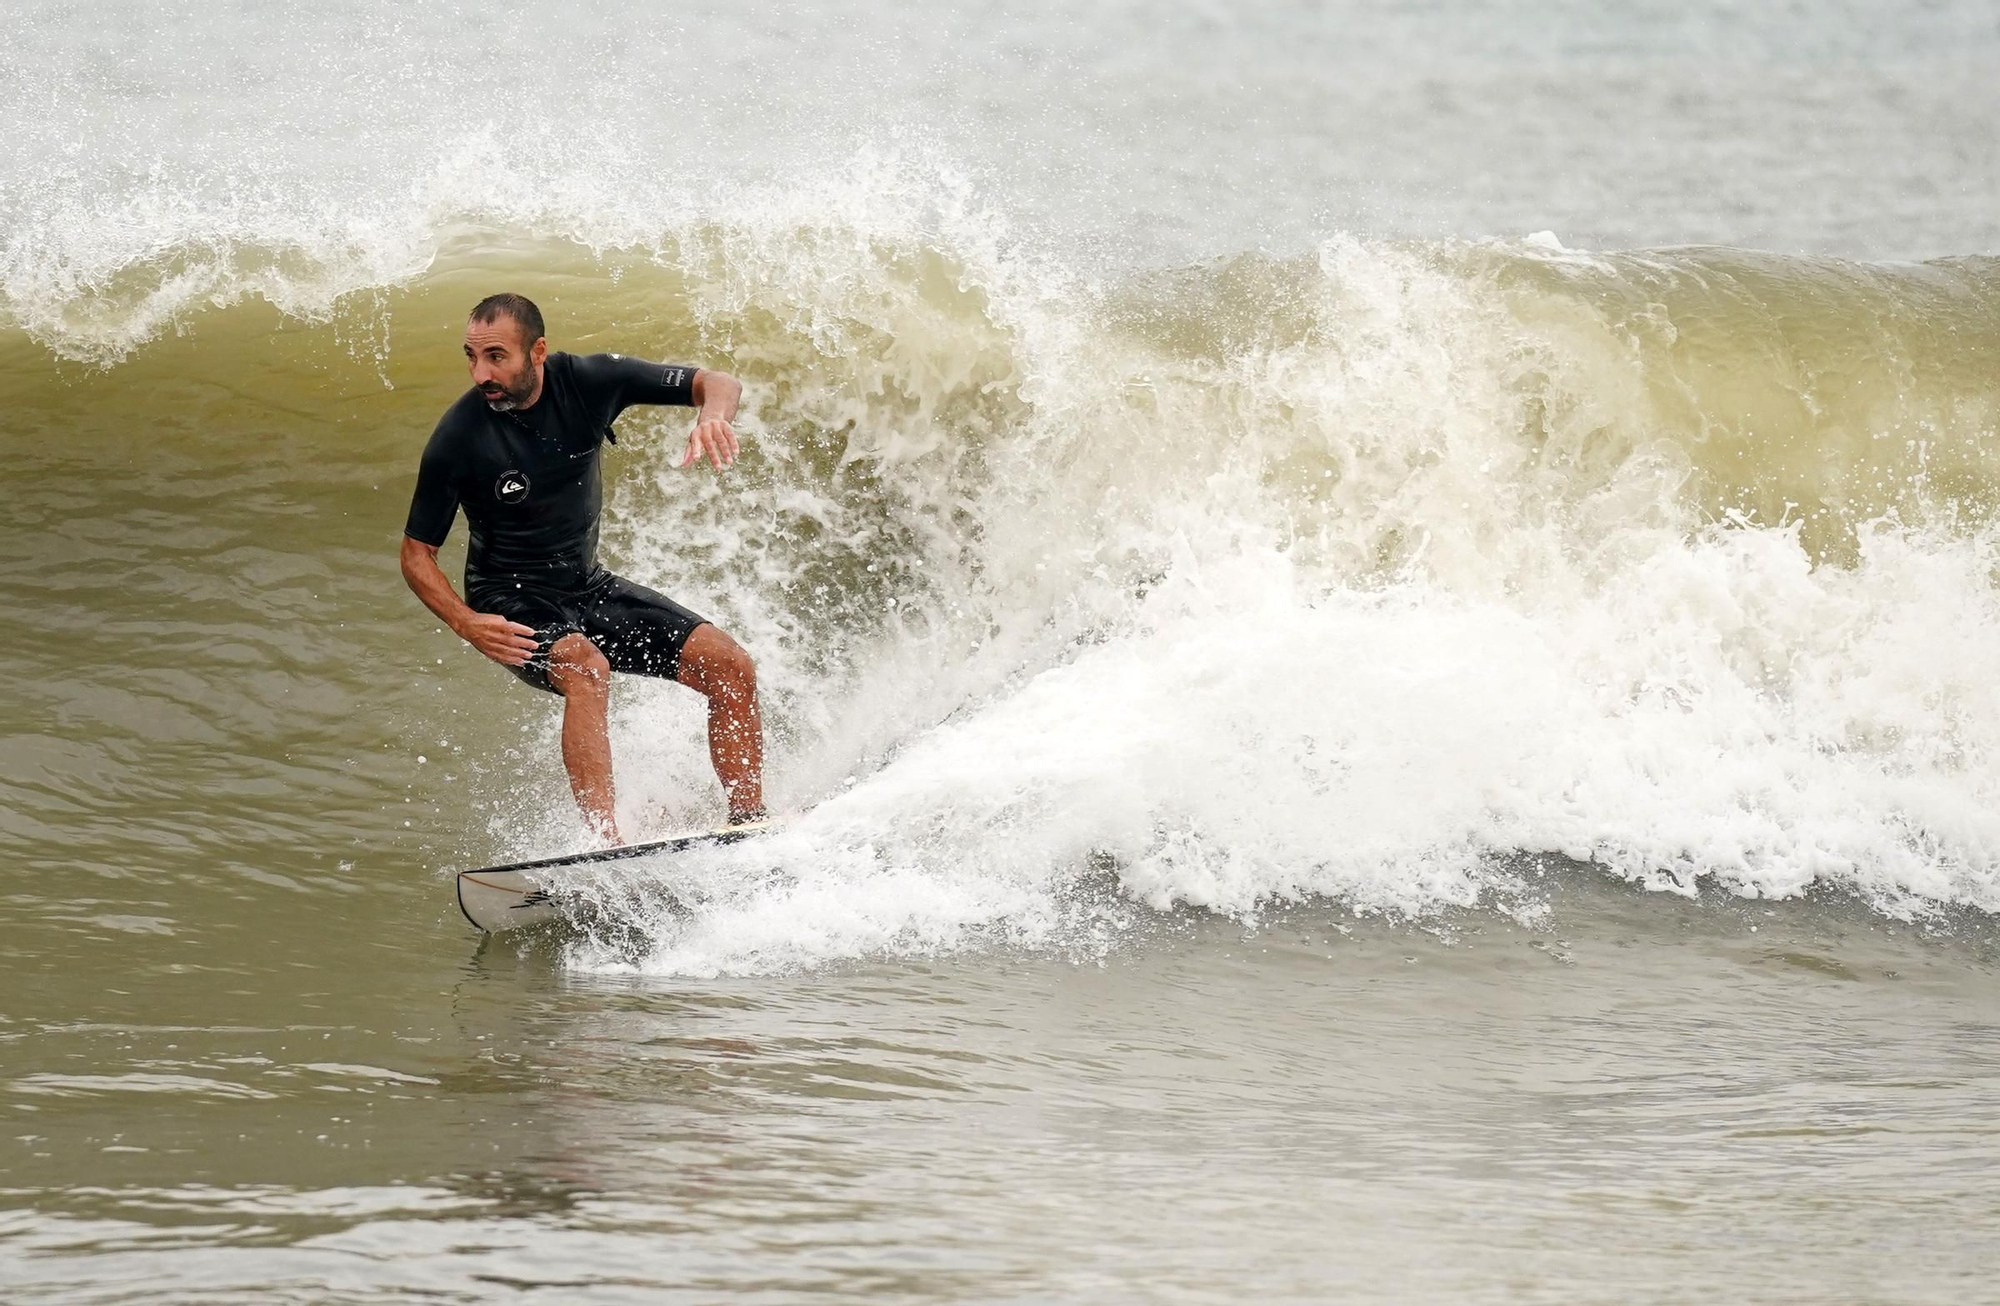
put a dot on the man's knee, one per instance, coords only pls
(576, 666)
(715, 664)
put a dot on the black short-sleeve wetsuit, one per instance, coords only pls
(532, 492)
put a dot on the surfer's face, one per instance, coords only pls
(506, 369)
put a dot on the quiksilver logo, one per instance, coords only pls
(512, 487)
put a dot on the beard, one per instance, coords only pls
(514, 393)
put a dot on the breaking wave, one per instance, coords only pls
(1355, 575)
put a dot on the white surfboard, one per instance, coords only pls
(511, 897)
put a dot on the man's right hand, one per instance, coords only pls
(507, 642)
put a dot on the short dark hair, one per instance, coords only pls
(518, 307)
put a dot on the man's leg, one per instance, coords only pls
(717, 666)
(582, 676)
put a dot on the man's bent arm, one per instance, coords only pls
(427, 581)
(507, 642)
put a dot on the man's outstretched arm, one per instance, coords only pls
(716, 394)
(507, 642)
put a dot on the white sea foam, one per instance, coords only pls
(1363, 616)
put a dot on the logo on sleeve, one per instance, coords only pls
(512, 487)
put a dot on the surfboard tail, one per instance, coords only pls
(499, 900)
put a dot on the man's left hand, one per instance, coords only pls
(714, 437)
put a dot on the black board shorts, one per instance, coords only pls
(636, 629)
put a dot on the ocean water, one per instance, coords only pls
(1378, 623)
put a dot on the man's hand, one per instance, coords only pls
(711, 436)
(716, 394)
(507, 642)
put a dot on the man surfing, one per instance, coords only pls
(519, 453)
